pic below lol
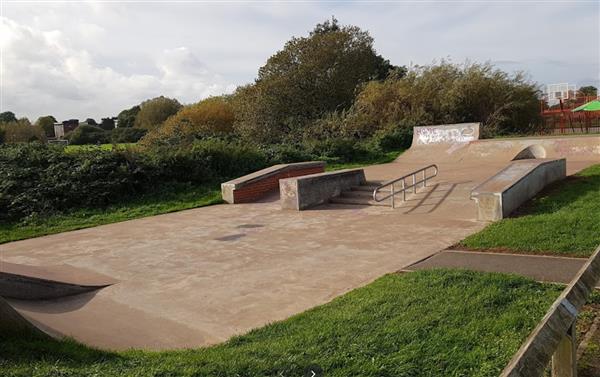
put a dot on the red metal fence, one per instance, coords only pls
(559, 118)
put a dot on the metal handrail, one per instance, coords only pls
(414, 184)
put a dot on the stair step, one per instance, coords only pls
(357, 201)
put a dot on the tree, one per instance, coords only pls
(107, 124)
(126, 118)
(443, 93)
(309, 77)
(21, 131)
(86, 134)
(91, 122)
(47, 124)
(155, 111)
(210, 117)
(589, 91)
(7, 116)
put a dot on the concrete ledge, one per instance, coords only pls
(256, 185)
(311, 190)
(504, 192)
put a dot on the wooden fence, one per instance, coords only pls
(553, 340)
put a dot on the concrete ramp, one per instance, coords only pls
(23, 282)
(460, 143)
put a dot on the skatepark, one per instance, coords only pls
(198, 277)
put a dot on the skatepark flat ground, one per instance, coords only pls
(199, 276)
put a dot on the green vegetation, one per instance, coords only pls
(383, 159)
(427, 323)
(94, 147)
(167, 200)
(155, 111)
(564, 220)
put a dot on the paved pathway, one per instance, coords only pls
(539, 267)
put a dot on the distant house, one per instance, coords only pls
(61, 129)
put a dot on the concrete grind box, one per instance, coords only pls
(311, 190)
(500, 195)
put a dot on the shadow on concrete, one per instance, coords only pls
(231, 237)
(56, 306)
(441, 192)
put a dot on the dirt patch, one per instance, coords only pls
(589, 359)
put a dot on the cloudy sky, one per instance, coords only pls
(85, 59)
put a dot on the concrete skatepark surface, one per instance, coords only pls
(197, 277)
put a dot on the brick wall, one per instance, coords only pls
(258, 189)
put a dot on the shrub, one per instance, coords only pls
(21, 131)
(126, 135)
(87, 134)
(441, 93)
(39, 180)
(210, 117)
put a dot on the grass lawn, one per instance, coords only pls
(104, 147)
(426, 323)
(563, 220)
(589, 362)
(164, 201)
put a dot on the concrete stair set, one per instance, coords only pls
(360, 195)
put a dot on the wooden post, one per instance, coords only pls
(564, 359)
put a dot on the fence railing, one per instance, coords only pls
(553, 340)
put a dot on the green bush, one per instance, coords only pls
(87, 134)
(126, 135)
(394, 139)
(40, 180)
(341, 150)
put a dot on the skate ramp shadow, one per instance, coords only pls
(428, 201)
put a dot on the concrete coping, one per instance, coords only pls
(510, 176)
(342, 172)
(64, 273)
(271, 171)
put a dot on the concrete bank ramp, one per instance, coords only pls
(461, 143)
(22, 282)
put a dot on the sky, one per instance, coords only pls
(81, 59)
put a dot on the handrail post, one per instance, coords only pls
(403, 189)
(393, 194)
(424, 178)
(564, 359)
(414, 177)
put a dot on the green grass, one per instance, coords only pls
(104, 147)
(427, 323)
(384, 159)
(163, 201)
(564, 220)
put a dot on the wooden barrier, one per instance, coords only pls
(553, 340)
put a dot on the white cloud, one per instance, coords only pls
(44, 74)
(80, 59)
